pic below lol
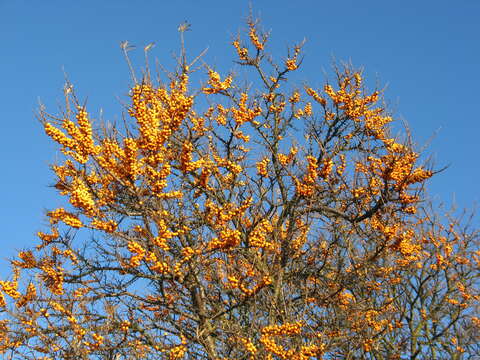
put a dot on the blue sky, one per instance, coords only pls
(426, 52)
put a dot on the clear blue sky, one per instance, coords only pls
(427, 52)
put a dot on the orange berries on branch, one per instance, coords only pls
(177, 241)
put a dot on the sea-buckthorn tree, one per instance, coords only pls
(226, 220)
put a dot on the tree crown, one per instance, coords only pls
(241, 222)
